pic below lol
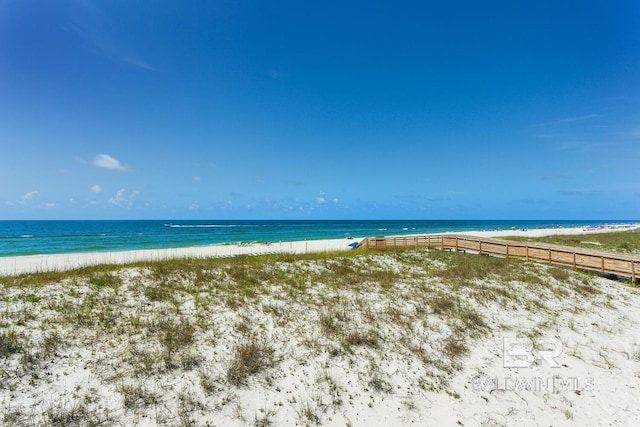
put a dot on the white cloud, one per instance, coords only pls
(118, 198)
(29, 196)
(321, 199)
(194, 206)
(335, 201)
(196, 178)
(123, 197)
(108, 162)
(96, 188)
(50, 205)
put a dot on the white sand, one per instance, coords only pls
(62, 262)
(597, 381)
(541, 232)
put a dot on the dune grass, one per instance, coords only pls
(616, 241)
(224, 327)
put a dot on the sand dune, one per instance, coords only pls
(414, 337)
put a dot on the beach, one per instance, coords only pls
(62, 262)
(413, 337)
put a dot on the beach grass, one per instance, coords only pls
(617, 241)
(188, 339)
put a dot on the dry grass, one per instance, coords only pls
(617, 241)
(226, 326)
(249, 358)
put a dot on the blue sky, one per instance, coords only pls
(319, 110)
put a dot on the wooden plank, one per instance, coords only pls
(494, 248)
(469, 245)
(516, 251)
(564, 258)
(590, 262)
(606, 262)
(538, 254)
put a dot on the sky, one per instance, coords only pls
(130, 109)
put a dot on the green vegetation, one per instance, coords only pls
(249, 358)
(617, 241)
(226, 325)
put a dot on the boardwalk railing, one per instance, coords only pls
(586, 259)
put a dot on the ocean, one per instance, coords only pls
(60, 237)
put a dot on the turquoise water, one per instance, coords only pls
(55, 237)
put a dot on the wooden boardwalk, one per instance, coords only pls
(585, 259)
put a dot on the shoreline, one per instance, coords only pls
(15, 265)
(382, 339)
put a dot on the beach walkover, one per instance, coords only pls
(585, 259)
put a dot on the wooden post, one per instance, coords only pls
(602, 259)
(633, 271)
(549, 255)
(457, 244)
(507, 250)
(574, 260)
(526, 247)
(480, 248)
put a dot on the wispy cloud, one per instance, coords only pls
(94, 26)
(108, 162)
(96, 188)
(582, 191)
(578, 118)
(123, 197)
(553, 177)
(321, 199)
(121, 55)
(414, 198)
(29, 196)
(118, 198)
